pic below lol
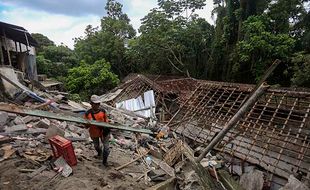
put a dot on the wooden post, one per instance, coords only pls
(1, 53)
(265, 76)
(26, 41)
(16, 46)
(7, 48)
(20, 47)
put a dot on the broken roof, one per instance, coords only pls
(274, 133)
(17, 33)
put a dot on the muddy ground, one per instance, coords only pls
(88, 174)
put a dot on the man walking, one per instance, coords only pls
(98, 134)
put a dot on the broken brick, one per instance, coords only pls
(28, 119)
(43, 123)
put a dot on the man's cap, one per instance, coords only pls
(95, 99)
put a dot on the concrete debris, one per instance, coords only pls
(253, 180)
(43, 123)
(27, 119)
(294, 184)
(18, 121)
(36, 131)
(3, 118)
(16, 128)
(12, 115)
(140, 155)
(191, 181)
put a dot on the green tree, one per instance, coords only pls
(52, 60)
(91, 79)
(173, 40)
(238, 52)
(42, 40)
(109, 41)
(301, 69)
(256, 52)
(60, 54)
(55, 61)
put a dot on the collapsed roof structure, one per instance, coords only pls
(273, 135)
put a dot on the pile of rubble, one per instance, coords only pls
(137, 158)
(146, 153)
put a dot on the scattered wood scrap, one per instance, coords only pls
(164, 166)
(36, 172)
(172, 155)
(165, 185)
(132, 161)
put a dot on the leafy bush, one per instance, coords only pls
(91, 79)
(301, 69)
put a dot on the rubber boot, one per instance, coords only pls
(105, 156)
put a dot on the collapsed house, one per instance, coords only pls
(167, 92)
(18, 56)
(273, 135)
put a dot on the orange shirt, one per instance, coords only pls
(95, 131)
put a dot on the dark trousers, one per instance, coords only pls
(106, 148)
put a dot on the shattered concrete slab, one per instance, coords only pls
(28, 119)
(43, 123)
(16, 128)
(18, 121)
(294, 184)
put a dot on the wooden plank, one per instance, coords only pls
(39, 113)
(36, 172)
(165, 185)
(132, 161)
(174, 153)
(164, 166)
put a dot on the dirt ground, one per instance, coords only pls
(88, 174)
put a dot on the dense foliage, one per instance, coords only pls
(88, 79)
(244, 41)
(52, 60)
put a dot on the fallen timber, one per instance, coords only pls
(45, 114)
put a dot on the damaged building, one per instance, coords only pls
(18, 50)
(272, 137)
(161, 123)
